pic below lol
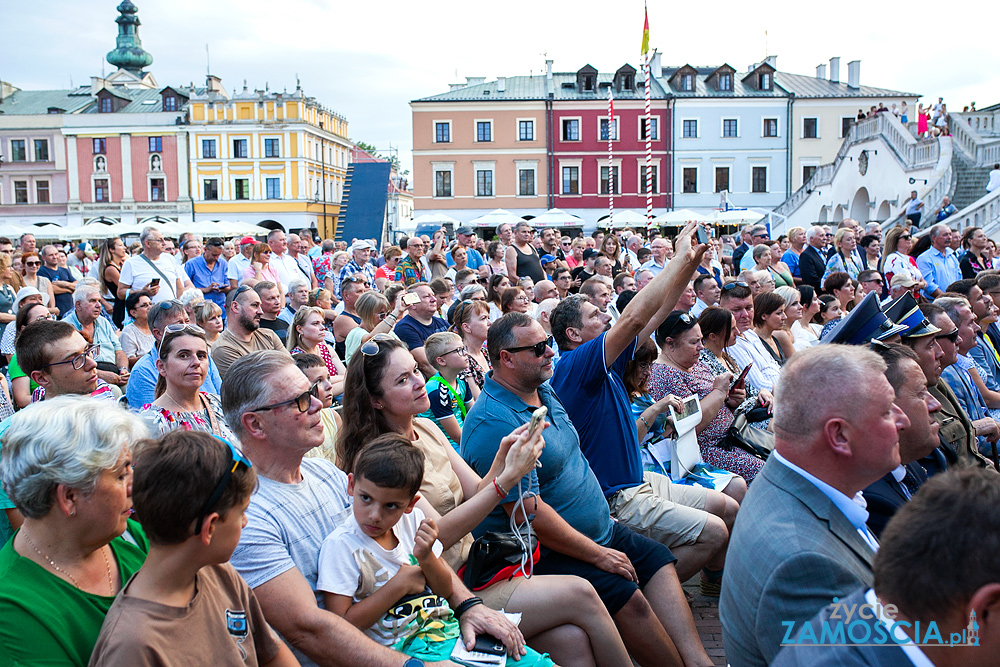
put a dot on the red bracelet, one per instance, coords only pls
(499, 489)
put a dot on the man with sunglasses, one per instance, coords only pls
(243, 333)
(141, 387)
(272, 409)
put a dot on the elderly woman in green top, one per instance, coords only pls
(66, 464)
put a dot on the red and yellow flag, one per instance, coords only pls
(645, 34)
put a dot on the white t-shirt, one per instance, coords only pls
(286, 268)
(138, 273)
(351, 563)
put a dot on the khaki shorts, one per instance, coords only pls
(498, 595)
(671, 514)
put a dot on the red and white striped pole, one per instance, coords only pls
(611, 173)
(649, 151)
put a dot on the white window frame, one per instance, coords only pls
(767, 178)
(579, 177)
(104, 175)
(722, 127)
(263, 146)
(803, 163)
(616, 123)
(204, 179)
(723, 165)
(802, 128)
(853, 119)
(160, 175)
(684, 88)
(616, 163)
(656, 123)
(434, 139)
(281, 186)
(525, 165)
(579, 130)
(517, 129)
(681, 166)
(232, 186)
(34, 152)
(732, 82)
(442, 166)
(697, 128)
(478, 166)
(27, 150)
(777, 126)
(232, 146)
(201, 147)
(475, 131)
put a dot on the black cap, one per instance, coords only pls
(906, 312)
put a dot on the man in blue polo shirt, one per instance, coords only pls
(464, 236)
(209, 273)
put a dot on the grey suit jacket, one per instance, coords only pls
(805, 655)
(791, 552)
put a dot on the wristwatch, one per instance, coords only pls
(413, 662)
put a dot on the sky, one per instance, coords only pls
(368, 60)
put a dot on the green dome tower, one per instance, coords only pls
(129, 54)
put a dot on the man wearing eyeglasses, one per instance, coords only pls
(112, 361)
(56, 357)
(410, 269)
(243, 334)
(141, 387)
(299, 500)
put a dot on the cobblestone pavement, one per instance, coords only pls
(706, 619)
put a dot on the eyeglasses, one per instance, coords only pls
(734, 285)
(236, 459)
(302, 401)
(240, 290)
(181, 327)
(538, 348)
(167, 305)
(952, 337)
(356, 279)
(462, 351)
(79, 360)
(684, 319)
(371, 348)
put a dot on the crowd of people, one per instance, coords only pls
(286, 451)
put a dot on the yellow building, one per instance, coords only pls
(265, 157)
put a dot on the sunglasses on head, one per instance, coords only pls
(734, 285)
(181, 327)
(236, 459)
(538, 348)
(371, 348)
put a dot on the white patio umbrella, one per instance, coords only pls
(736, 217)
(434, 219)
(625, 218)
(679, 218)
(495, 218)
(556, 217)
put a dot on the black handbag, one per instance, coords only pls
(753, 440)
(496, 557)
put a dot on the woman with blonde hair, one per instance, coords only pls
(843, 259)
(208, 315)
(260, 268)
(10, 283)
(308, 334)
(323, 299)
(896, 257)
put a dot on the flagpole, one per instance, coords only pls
(611, 173)
(649, 123)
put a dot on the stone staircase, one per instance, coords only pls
(970, 182)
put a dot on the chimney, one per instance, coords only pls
(97, 84)
(854, 74)
(548, 70)
(475, 80)
(821, 71)
(835, 69)
(501, 84)
(772, 61)
(455, 86)
(655, 68)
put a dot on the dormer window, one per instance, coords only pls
(687, 82)
(588, 83)
(107, 106)
(764, 81)
(726, 82)
(628, 82)
(169, 103)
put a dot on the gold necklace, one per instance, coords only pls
(107, 566)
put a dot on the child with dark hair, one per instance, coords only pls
(187, 605)
(381, 569)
